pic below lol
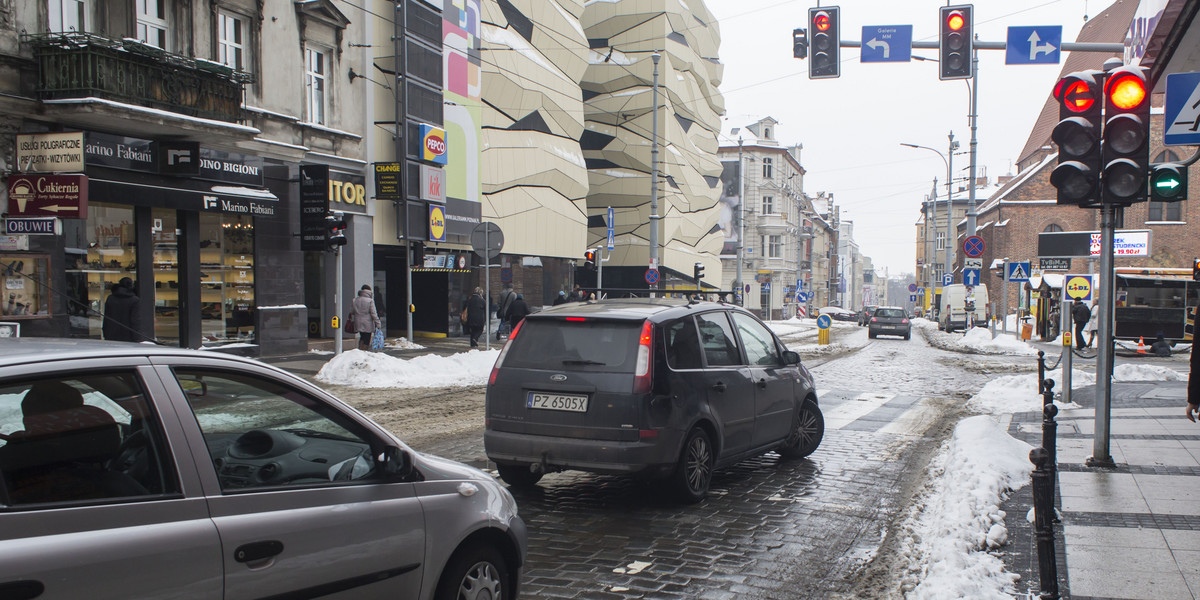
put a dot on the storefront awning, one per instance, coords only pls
(186, 195)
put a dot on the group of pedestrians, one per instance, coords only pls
(1086, 320)
(510, 310)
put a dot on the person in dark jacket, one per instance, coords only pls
(561, 298)
(1160, 347)
(122, 314)
(516, 311)
(506, 298)
(476, 316)
(366, 318)
(1193, 389)
(1080, 314)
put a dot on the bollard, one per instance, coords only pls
(1043, 523)
(1041, 370)
(1049, 425)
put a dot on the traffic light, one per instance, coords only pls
(1196, 269)
(799, 43)
(1125, 150)
(824, 26)
(698, 272)
(1077, 134)
(335, 230)
(1168, 182)
(589, 258)
(955, 42)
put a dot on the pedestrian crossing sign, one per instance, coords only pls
(1018, 271)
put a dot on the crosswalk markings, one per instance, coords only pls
(846, 413)
(881, 413)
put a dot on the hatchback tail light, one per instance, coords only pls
(504, 352)
(874, 320)
(903, 321)
(641, 370)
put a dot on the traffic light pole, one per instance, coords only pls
(1101, 456)
(338, 333)
(974, 117)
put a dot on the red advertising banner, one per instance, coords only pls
(63, 196)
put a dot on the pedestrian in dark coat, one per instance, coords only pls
(516, 311)
(1160, 347)
(502, 305)
(476, 316)
(1080, 314)
(122, 314)
(1193, 389)
(366, 318)
(561, 298)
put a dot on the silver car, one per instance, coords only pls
(135, 471)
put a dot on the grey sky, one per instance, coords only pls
(851, 127)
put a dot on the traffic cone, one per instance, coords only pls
(1141, 346)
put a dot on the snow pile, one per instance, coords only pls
(1019, 393)
(980, 340)
(1131, 372)
(361, 369)
(957, 516)
(818, 349)
(401, 343)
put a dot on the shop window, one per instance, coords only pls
(95, 262)
(66, 15)
(152, 22)
(26, 279)
(231, 40)
(226, 278)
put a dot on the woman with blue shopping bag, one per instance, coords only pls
(366, 320)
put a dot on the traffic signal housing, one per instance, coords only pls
(799, 43)
(1125, 150)
(698, 272)
(1168, 182)
(955, 42)
(1077, 176)
(589, 259)
(824, 29)
(1196, 269)
(335, 230)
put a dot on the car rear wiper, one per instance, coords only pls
(582, 361)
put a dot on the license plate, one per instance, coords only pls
(548, 401)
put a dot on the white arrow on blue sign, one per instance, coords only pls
(1033, 45)
(886, 43)
(970, 276)
(1181, 110)
(611, 236)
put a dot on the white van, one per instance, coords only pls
(952, 309)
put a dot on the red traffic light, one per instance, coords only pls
(590, 256)
(1126, 90)
(1077, 95)
(821, 21)
(955, 20)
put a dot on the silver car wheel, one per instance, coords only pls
(699, 463)
(481, 582)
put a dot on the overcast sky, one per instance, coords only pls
(851, 127)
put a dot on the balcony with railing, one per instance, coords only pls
(83, 65)
(772, 223)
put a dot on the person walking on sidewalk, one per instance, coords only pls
(561, 298)
(366, 319)
(502, 307)
(516, 311)
(1093, 324)
(476, 316)
(1079, 315)
(1193, 390)
(122, 315)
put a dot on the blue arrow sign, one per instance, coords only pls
(611, 237)
(802, 296)
(1033, 45)
(971, 277)
(824, 321)
(886, 43)
(1018, 271)
(1182, 110)
(912, 297)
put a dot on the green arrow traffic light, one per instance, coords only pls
(1168, 182)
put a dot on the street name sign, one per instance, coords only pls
(1038, 45)
(886, 43)
(1181, 110)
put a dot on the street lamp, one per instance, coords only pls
(949, 162)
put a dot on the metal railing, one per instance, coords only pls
(83, 65)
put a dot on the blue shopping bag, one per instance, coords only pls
(377, 339)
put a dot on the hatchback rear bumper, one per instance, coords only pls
(652, 456)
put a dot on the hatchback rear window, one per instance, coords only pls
(590, 345)
(891, 313)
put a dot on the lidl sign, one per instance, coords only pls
(437, 223)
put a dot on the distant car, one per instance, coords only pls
(838, 313)
(139, 471)
(660, 388)
(889, 320)
(864, 315)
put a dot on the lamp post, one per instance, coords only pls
(949, 162)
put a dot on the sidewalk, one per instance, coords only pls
(321, 350)
(1132, 532)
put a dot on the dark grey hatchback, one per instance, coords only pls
(662, 388)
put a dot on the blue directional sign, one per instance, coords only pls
(1018, 271)
(947, 278)
(1037, 45)
(912, 297)
(1182, 110)
(611, 236)
(971, 277)
(824, 321)
(802, 296)
(886, 43)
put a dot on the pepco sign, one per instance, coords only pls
(433, 144)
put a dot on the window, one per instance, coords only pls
(67, 15)
(1052, 228)
(760, 344)
(1165, 211)
(315, 71)
(766, 168)
(26, 284)
(941, 240)
(231, 41)
(152, 22)
(775, 246)
(716, 339)
(76, 438)
(768, 205)
(683, 345)
(261, 434)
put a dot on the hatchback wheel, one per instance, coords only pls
(808, 428)
(475, 573)
(518, 476)
(693, 474)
